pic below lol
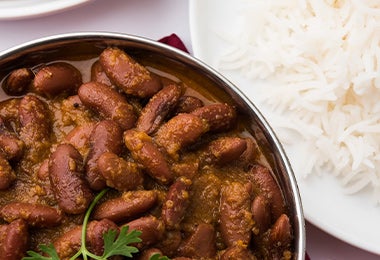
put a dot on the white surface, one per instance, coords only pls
(352, 218)
(15, 9)
(152, 19)
(149, 18)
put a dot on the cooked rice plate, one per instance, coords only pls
(315, 71)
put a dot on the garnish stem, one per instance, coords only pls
(83, 248)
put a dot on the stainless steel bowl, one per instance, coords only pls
(92, 43)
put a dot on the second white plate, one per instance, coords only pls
(19, 9)
(351, 218)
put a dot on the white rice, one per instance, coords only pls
(321, 62)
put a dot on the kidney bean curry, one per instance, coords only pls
(177, 159)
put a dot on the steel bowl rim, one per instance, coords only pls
(299, 215)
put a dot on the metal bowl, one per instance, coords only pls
(89, 44)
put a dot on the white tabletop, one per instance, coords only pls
(152, 19)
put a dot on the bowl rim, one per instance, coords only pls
(300, 244)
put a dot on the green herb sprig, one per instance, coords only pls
(113, 244)
(49, 250)
(157, 256)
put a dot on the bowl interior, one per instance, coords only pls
(88, 45)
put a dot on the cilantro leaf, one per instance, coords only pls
(114, 245)
(50, 250)
(120, 246)
(157, 256)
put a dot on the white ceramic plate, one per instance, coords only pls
(18, 9)
(351, 218)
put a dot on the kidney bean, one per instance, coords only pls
(280, 235)
(261, 214)
(80, 134)
(18, 82)
(57, 78)
(11, 147)
(43, 171)
(109, 103)
(43, 178)
(176, 202)
(157, 109)
(7, 175)
(129, 205)
(237, 252)
(188, 104)
(235, 217)
(219, 117)
(127, 74)
(200, 244)
(179, 132)
(98, 74)
(224, 150)
(95, 232)
(266, 185)
(79, 137)
(3, 233)
(105, 137)
(35, 215)
(152, 230)
(35, 131)
(119, 173)
(67, 181)
(144, 151)
(15, 241)
(69, 243)
(32, 110)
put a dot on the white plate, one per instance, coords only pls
(17, 9)
(351, 218)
